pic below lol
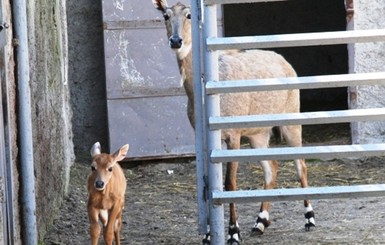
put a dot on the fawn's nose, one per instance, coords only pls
(175, 41)
(99, 184)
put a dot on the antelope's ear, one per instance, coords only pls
(160, 4)
(121, 153)
(96, 149)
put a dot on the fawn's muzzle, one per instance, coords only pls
(99, 184)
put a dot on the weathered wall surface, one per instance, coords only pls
(51, 113)
(86, 76)
(368, 57)
(8, 89)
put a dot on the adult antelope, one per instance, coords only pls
(106, 186)
(241, 65)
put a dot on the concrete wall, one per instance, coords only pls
(367, 57)
(51, 112)
(86, 76)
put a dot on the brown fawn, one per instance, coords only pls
(106, 188)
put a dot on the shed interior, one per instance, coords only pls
(300, 16)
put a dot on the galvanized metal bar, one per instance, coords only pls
(214, 136)
(200, 137)
(307, 152)
(310, 193)
(308, 82)
(27, 174)
(296, 40)
(239, 1)
(304, 118)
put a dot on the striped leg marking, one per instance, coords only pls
(234, 236)
(261, 224)
(309, 217)
(206, 239)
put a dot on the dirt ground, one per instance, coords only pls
(161, 202)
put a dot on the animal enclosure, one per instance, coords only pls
(215, 86)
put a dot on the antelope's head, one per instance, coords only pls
(178, 25)
(103, 164)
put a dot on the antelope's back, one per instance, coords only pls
(256, 64)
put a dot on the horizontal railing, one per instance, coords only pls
(296, 40)
(209, 2)
(304, 118)
(310, 193)
(304, 152)
(308, 82)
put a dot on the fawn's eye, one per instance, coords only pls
(166, 16)
(110, 169)
(93, 168)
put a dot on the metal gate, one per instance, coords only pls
(209, 152)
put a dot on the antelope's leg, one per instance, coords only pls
(93, 216)
(302, 177)
(234, 236)
(231, 185)
(293, 136)
(270, 177)
(261, 140)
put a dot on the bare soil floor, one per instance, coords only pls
(161, 202)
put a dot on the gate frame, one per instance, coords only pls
(209, 153)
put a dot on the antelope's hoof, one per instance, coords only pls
(234, 237)
(260, 225)
(206, 239)
(233, 241)
(310, 222)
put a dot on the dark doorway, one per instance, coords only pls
(302, 16)
(298, 17)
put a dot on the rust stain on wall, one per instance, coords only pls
(349, 10)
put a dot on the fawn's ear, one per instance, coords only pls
(121, 153)
(160, 4)
(96, 149)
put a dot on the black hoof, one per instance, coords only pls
(309, 226)
(234, 235)
(256, 232)
(233, 241)
(260, 225)
(206, 239)
(310, 223)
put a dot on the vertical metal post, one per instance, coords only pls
(200, 134)
(214, 136)
(27, 176)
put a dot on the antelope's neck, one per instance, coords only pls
(185, 69)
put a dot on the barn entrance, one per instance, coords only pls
(301, 16)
